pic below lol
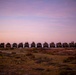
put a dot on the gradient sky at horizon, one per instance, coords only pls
(37, 20)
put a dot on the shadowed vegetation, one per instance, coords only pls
(37, 61)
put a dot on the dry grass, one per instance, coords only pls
(37, 62)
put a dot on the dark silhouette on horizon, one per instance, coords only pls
(20, 45)
(65, 45)
(58, 45)
(26, 44)
(33, 44)
(2, 45)
(14, 45)
(52, 45)
(45, 45)
(8, 45)
(39, 45)
(71, 44)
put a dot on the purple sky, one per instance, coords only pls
(37, 20)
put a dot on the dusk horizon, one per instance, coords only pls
(38, 21)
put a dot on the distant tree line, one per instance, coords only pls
(38, 45)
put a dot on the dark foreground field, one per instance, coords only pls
(38, 61)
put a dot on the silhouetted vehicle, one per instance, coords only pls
(75, 44)
(45, 45)
(2, 45)
(26, 44)
(52, 45)
(65, 45)
(20, 45)
(33, 44)
(14, 45)
(71, 44)
(39, 45)
(58, 45)
(8, 45)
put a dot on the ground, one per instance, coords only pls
(33, 61)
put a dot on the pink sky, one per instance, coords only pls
(37, 20)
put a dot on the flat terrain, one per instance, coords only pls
(33, 61)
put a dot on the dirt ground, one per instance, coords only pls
(33, 61)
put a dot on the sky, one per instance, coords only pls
(37, 20)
